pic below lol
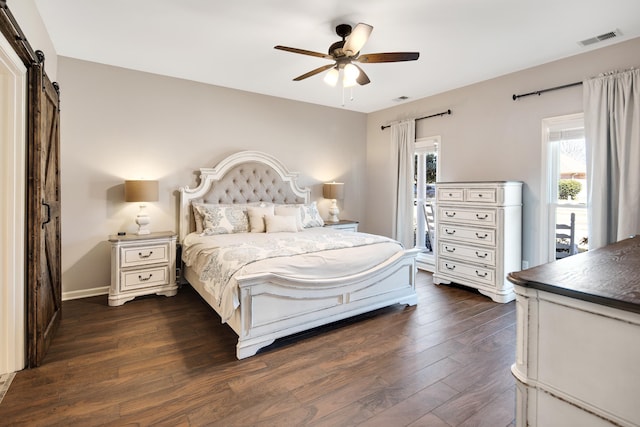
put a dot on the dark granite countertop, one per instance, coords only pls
(608, 276)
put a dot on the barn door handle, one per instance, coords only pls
(48, 213)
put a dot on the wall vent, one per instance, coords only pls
(600, 38)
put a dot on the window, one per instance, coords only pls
(566, 176)
(425, 175)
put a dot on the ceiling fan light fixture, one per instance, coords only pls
(347, 82)
(331, 78)
(351, 72)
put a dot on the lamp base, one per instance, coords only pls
(333, 212)
(143, 220)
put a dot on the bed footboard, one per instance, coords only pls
(272, 306)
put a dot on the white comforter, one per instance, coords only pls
(220, 260)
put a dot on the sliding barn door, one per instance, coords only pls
(44, 286)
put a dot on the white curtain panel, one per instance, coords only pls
(403, 136)
(612, 131)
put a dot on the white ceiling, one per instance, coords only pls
(230, 42)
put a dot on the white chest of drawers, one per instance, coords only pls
(479, 235)
(142, 265)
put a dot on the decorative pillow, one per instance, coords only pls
(290, 210)
(281, 223)
(310, 216)
(218, 219)
(256, 218)
(197, 217)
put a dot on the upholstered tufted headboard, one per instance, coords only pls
(244, 177)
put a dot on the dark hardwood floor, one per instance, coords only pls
(169, 361)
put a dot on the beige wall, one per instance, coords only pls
(489, 136)
(119, 124)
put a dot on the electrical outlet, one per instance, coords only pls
(525, 265)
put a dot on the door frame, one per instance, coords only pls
(13, 79)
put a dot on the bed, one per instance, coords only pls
(290, 280)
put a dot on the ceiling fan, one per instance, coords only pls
(346, 52)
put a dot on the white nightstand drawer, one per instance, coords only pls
(144, 278)
(143, 255)
(482, 195)
(477, 216)
(483, 256)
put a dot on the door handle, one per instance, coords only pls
(46, 205)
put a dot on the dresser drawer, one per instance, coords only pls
(479, 236)
(483, 217)
(450, 194)
(462, 252)
(482, 195)
(144, 255)
(143, 278)
(465, 271)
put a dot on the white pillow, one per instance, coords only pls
(256, 218)
(217, 219)
(310, 216)
(281, 223)
(290, 210)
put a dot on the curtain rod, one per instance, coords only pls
(538, 92)
(420, 118)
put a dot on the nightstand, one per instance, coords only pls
(343, 224)
(142, 265)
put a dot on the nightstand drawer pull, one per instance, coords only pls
(145, 279)
(450, 250)
(483, 236)
(481, 275)
(481, 256)
(482, 217)
(450, 215)
(450, 267)
(446, 230)
(145, 256)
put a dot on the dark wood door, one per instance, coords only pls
(44, 284)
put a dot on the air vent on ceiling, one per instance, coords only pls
(600, 38)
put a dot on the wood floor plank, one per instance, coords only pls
(169, 361)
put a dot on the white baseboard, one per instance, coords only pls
(84, 293)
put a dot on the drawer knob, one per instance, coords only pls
(481, 255)
(450, 215)
(446, 230)
(483, 236)
(144, 279)
(481, 275)
(482, 217)
(450, 195)
(450, 267)
(480, 195)
(140, 255)
(448, 249)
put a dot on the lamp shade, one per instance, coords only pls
(333, 190)
(141, 191)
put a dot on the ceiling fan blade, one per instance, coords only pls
(303, 52)
(362, 78)
(314, 72)
(388, 57)
(356, 40)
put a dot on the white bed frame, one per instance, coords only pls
(272, 306)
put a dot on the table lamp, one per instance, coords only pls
(141, 191)
(333, 191)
